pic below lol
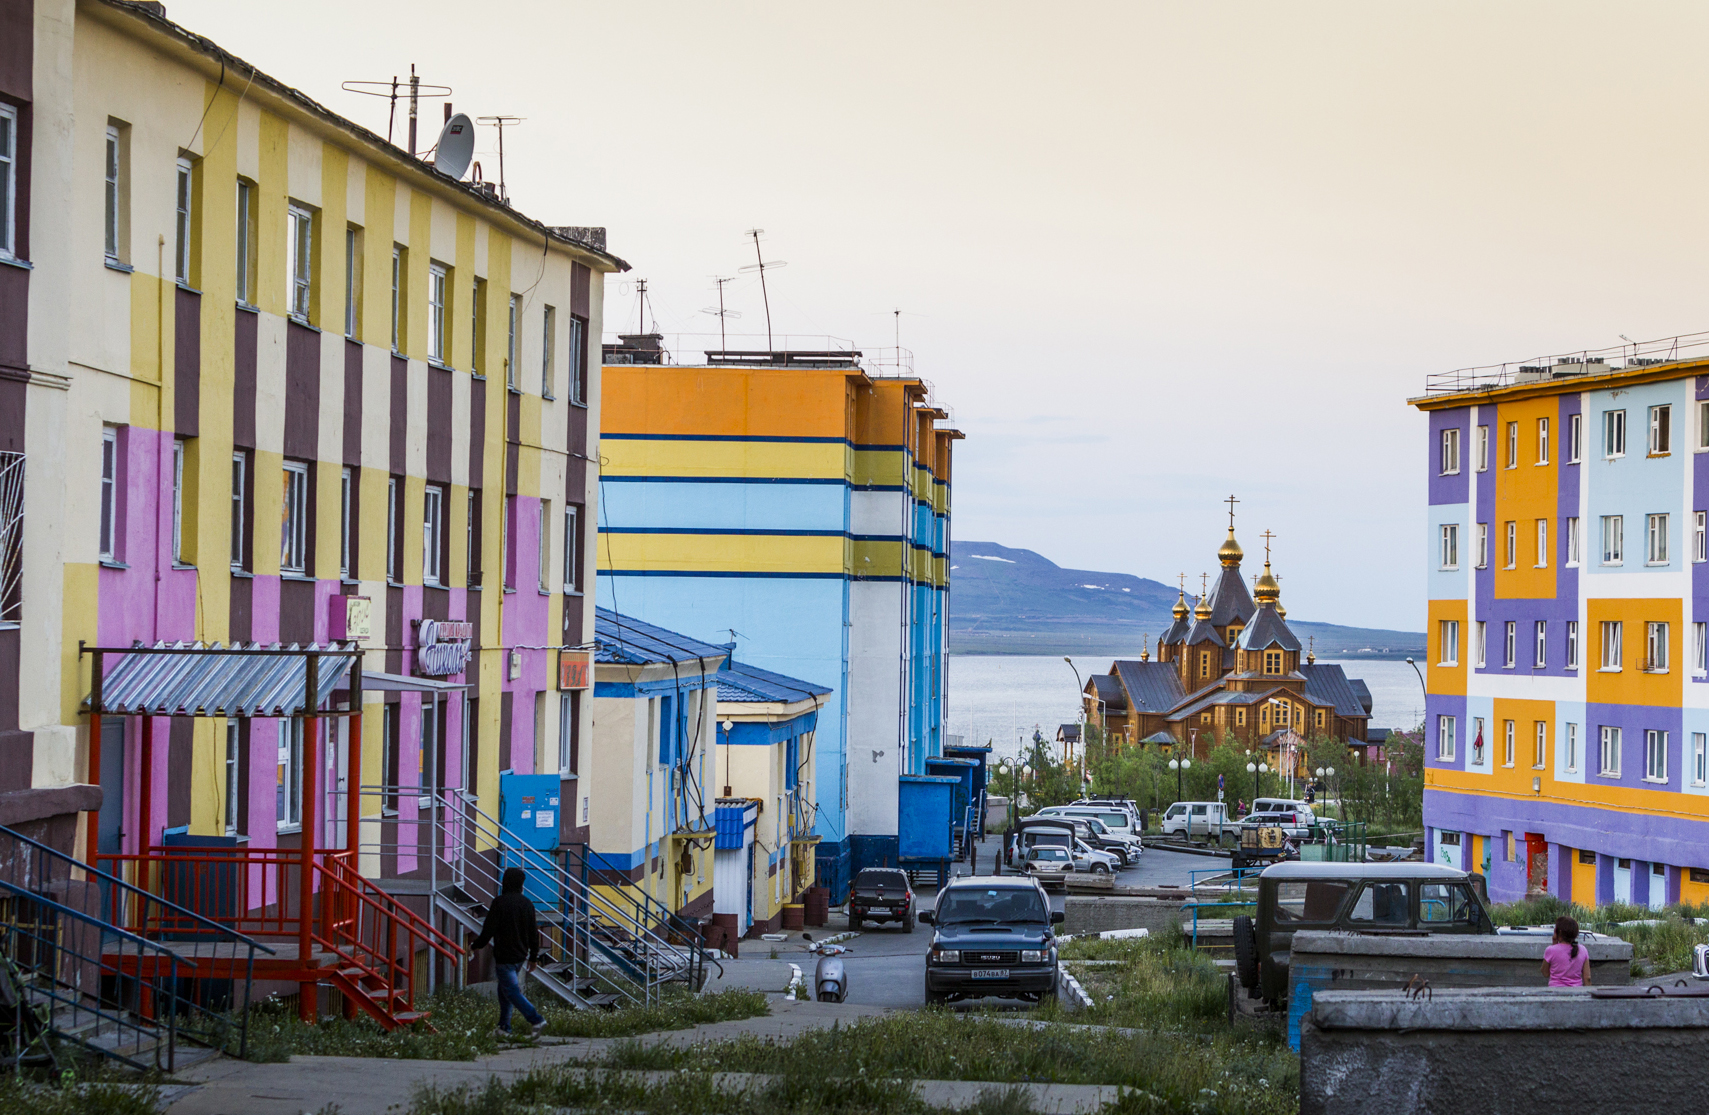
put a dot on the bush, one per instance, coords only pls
(1666, 945)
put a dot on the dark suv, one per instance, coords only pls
(991, 937)
(881, 894)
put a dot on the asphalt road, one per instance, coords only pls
(886, 967)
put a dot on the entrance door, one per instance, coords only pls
(1536, 864)
(110, 832)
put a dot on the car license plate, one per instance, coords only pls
(990, 973)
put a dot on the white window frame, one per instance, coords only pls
(1449, 462)
(239, 507)
(345, 481)
(1445, 739)
(1655, 535)
(1609, 756)
(437, 341)
(245, 241)
(1481, 633)
(1542, 441)
(290, 818)
(1448, 634)
(1512, 552)
(294, 519)
(299, 261)
(352, 279)
(1450, 554)
(545, 541)
(1512, 445)
(397, 298)
(1483, 449)
(1575, 438)
(1540, 746)
(1507, 743)
(1613, 633)
(1510, 645)
(177, 501)
(471, 522)
(548, 351)
(512, 355)
(1483, 545)
(9, 182)
(1700, 649)
(1575, 541)
(1572, 746)
(579, 388)
(476, 291)
(392, 511)
(572, 556)
(1655, 755)
(1699, 759)
(432, 534)
(1700, 536)
(181, 226)
(1661, 430)
(109, 525)
(1572, 644)
(1613, 433)
(1541, 632)
(1655, 647)
(112, 183)
(233, 768)
(1613, 540)
(1542, 543)
(569, 729)
(1703, 425)
(1477, 741)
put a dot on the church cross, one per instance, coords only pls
(1204, 585)
(1231, 501)
(1183, 584)
(1267, 536)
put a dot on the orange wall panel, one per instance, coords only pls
(1632, 685)
(1523, 494)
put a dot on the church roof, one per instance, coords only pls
(1109, 691)
(1230, 602)
(1267, 629)
(1153, 687)
(1364, 692)
(1176, 633)
(1222, 697)
(1328, 684)
(1203, 632)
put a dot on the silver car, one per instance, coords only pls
(1050, 864)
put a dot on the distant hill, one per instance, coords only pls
(1008, 601)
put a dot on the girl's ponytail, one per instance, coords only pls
(1566, 931)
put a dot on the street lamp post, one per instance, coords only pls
(1322, 774)
(1256, 769)
(1178, 766)
(1425, 689)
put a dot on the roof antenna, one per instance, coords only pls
(761, 268)
(721, 313)
(641, 297)
(500, 122)
(389, 90)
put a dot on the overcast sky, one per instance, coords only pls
(1148, 254)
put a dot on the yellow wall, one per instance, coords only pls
(1523, 494)
(1447, 680)
(1632, 685)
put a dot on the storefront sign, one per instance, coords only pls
(575, 669)
(351, 618)
(443, 647)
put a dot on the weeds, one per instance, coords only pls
(1666, 944)
(1155, 987)
(565, 1086)
(24, 1096)
(678, 1011)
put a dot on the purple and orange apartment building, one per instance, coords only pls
(1568, 682)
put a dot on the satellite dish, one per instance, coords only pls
(456, 146)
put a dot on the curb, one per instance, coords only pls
(1076, 999)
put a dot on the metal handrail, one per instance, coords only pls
(1197, 905)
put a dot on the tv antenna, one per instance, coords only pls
(721, 313)
(641, 298)
(761, 267)
(501, 122)
(389, 90)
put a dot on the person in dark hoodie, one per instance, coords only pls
(511, 930)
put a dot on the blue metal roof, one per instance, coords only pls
(730, 820)
(739, 682)
(627, 641)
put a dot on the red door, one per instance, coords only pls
(1536, 864)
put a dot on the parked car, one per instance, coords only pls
(1050, 864)
(1355, 897)
(881, 894)
(1112, 829)
(1093, 861)
(992, 937)
(1285, 805)
(1206, 817)
(1092, 831)
(1033, 831)
(1292, 824)
(1116, 816)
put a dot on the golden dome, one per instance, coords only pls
(1266, 591)
(1180, 609)
(1202, 610)
(1230, 552)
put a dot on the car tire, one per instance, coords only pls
(1246, 952)
(908, 922)
(935, 996)
(854, 922)
(1100, 869)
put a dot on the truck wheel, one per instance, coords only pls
(935, 996)
(908, 922)
(1245, 952)
(1100, 869)
(854, 920)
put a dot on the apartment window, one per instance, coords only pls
(233, 766)
(300, 264)
(1575, 438)
(181, 221)
(1512, 554)
(1575, 542)
(1572, 644)
(289, 800)
(1613, 433)
(8, 182)
(1700, 648)
(1611, 635)
(1656, 539)
(1450, 545)
(510, 350)
(1703, 425)
(1445, 739)
(1613, 540)
(109, 493)
(1572, 746)
(245, 242)
(1483, 448)
(345, 492)
(1542, 441)
(1661, 430)
(1483, 545)
(178, 502)
(1700, 536)
(239, 509)
(1481, 633)
(1699, 759)
(1542, 543)
(569, 734)
(352, 280)
(507, 545)
(432, 535)
(293, 540)
(114, 194)
(1540, 746)
(548, 349)
(1655, 647)
(1610, 757)
(390, 737)
(438, 343)
(399, 295)
(1655, 756)
(394, 521)
(1511, 645)
(472, 558)
(477, 327)
(578, 359)
(545, 539)
(1513, 445)
(572, 548)
(1477, 741)
(1542, 644)
(1448, 634)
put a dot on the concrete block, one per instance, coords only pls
(1086, 914)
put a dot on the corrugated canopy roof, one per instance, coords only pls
(627, 641)
(740, 682)
(219, 681)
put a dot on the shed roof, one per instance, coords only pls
(624, 640)
(235, 681)
(740, 683)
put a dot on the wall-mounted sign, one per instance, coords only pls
(575, 669)
(515, 664)
(350, 618)
(443, 647)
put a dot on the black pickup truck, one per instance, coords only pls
(882, 894)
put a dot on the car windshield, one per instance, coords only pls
(876, 878)
(992, 904)
(1309, 900)
(1049, 853)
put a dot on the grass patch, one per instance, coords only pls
(565, 1086)
(1153, 987)
(1666, 946)
(27, 1096)
(463, 1023)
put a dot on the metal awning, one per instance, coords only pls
(190, 679)
(399, 683)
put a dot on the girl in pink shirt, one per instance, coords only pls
(1564, 962)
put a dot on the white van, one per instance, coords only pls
(1196, 818)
